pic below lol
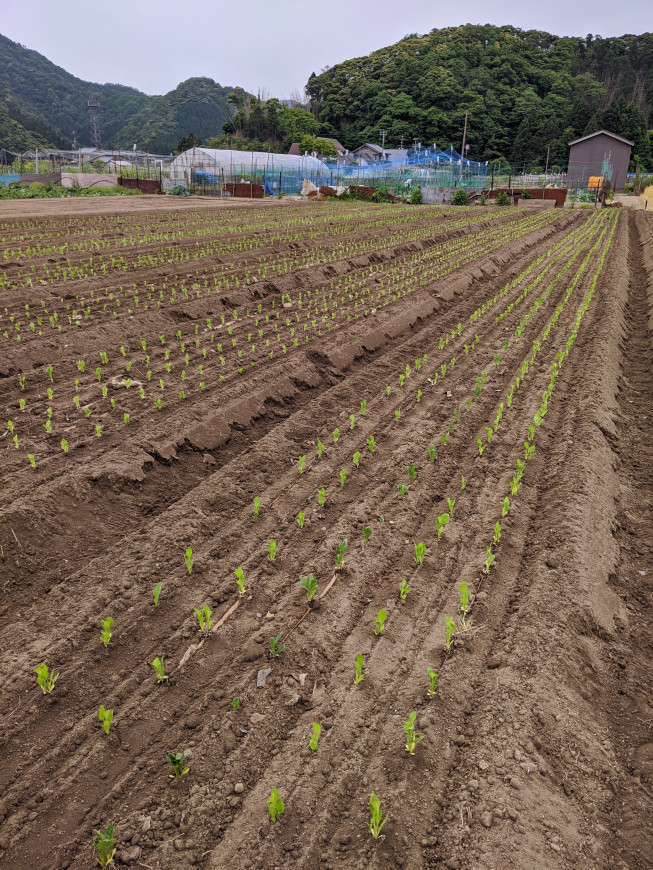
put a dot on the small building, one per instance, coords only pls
(599, 154)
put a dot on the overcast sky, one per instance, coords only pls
(269, 44)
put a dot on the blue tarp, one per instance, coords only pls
(6, 180)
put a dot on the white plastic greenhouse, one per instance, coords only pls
(199, 167)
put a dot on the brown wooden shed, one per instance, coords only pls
(586, 156)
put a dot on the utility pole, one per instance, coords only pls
(464, 134)
(384, 133)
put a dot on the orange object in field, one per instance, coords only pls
(595, 181)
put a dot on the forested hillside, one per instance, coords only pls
(42, 104)
(523, 90)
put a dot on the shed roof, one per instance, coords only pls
(598, 133)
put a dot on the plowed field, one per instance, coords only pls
(434, 396)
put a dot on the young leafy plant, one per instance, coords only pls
(45, 678)
(359, 676)
(235, 704)
(312, 743)
(376, 822)
(371, 443)
(497, 532)
(463, 483)
(104, 844)
(309, 584)
(432, 451)
(339, 559)
(356, 458)
(336, 435)
(240, 581)
(177, 761)
(463, 595)
(505, 507)
(363, 408)
(367, 534)
(301, 464)
(352, 421)
(157, 664)
(320, 448)
(275, 805)
(420, 552)
(412, 472)
(107, 625)
(272, 550)
(203, 615)
(379, 621)
(412, 736)
(257, 504)
(449, 632)
(402, 488)
(397, 415)
(156, 592)
(300, 520)
(433, 681)
(343, 476)
(188, 559)
(106, 718)
(489, 559)
(276, 646)
(321, 496)
(404, 589)
(451, 502)
(440, 522)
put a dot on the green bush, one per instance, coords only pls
(526, 195)
(460, 197)
(503, 199)
(179, 190)
(416, 196)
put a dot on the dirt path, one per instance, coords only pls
(536, 749)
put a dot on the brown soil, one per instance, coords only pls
(537, 749)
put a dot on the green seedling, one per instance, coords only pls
(300, 520)
(157, 664)
(45, 678)
(463, 595)
(412, 472)
(505, 507)
(371, 443)
(272, 550)
(379, 621)
(419, 396)
(177, 761)
(106, 718)
(440, 523)
(336, 435)
(497, 532)
(463, 483)
(359, 676)
(321, 496)
(403, 489)
(420, 552)
(107, 625)
(367, 534)
(301, 464)
(376, 823)
(309, 584)
(240, 580)
(275, 805)
(257, 505)
(156, 592)
(343, 476)
(49, 371)
(276, 646)
(412, 736)
(352, 421)
(529, 450)
(451, 502)
(404, 589)
(397, 415)
(388, 390)
(188, 559)
(531, 433)
(449, 632)
(32, 461)
(480, 446)
(490, 432)
(312, 743)
(489, 559)
(64, 445)
(203, 615)
(433, 681)
(320, 449)
(104, 844)
(339, 559)
(357, 458)
(444, 438)
(432, 452)
(235, 704)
